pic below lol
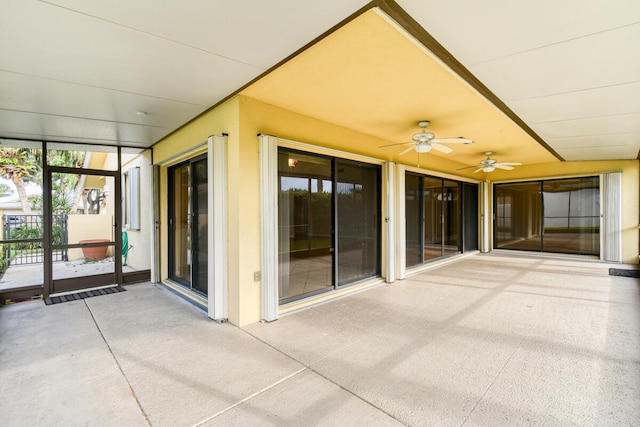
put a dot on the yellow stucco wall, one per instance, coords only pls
(83, 227)
(243, 118)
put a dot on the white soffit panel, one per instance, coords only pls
(599, 60)
(256, 32)
(569, 69)
(69, 46)
(25, 125)
(54, 97)
(600, 153)
(608, 101)
(476, 32)
(623, 123)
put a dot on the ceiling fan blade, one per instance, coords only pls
(441, 148)
(393, 145)
(407, 150)
(467, 167)
(510, 163)
(457, 140)
(478, 170)
(503, 166)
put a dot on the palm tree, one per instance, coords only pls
(19, 165)
(67, 158)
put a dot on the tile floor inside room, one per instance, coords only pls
(487, 340)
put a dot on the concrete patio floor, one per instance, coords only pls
(489, 340)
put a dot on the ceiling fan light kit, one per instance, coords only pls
(489, 165)
(423, 147)
(423, 142)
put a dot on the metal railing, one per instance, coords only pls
(23, 239)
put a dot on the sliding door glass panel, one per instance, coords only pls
(358, 221)
(572, 216)
(180, 224)
(432, 211)
(451, 217)
(469, 220)
(518, 209)
(199, 226)
(304, 224)
(188, 225)
(413, 222)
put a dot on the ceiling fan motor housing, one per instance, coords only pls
(423, 136)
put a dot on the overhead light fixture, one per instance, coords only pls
(423, 147)
(292, 163)
(488, 169)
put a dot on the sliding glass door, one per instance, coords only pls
(560, 216)
(188, 224)
(434, 210)
(329, 223)
(305, 219)
(358, 221)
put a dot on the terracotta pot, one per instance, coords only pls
(96, 253)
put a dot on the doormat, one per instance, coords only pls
(624, 272)
(83, 295)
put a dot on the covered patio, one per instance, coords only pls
(491, 339)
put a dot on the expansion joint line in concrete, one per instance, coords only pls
(504, 365)
(257, 393)
(115, 359)
(307, 367)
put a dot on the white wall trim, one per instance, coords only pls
(611, 216)
(390, 220)
(485, 217)
(217, 231)
(401, 224)
(269, 227)
(317, 149)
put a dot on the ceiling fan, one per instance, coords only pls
(424, 141)
(489, 164)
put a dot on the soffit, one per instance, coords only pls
(569, 69)
(81, 70)
(371, 77)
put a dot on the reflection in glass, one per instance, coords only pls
(561, 216)
(433, 218)
(358, 208)
(432, 205)
(200, 242)
(451, 217)
(518, 216)
(413, 215)
(572, 216)
(304, 224)
(188, 243)
(181, 223)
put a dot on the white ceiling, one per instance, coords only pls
(81, 70)
(570, 69)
